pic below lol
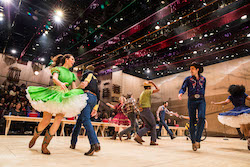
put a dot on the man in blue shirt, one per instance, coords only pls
(196, 85)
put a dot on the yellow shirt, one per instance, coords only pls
(145, 98)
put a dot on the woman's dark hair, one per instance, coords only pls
(59, 60)
(197, 66)
(236, 90)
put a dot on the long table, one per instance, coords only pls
(97, 125)
(102, 126)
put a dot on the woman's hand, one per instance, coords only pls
(63, 85)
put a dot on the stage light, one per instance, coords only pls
(163, 2)
(1, 14)
(37, 44)
(13, 51)
(191, 39)
(46, 32)
(181, 41)
(34, 48)
(6, 1)
(195, 52)
(121, 19)
(59, 13)
(86, 21)
(248, 35)
(1, 18)
(205, 35)
(148, 71)
(243, 17)
(57, 19)
(42, 59)
(168, 23)
(157, 27)
(36, 72)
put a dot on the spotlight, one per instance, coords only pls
(1, 18)
(59, 13)
(46, 32)
(243, 17)
(191, 39)
(248, 35)
(34, 48)
(36, 72)
(57, 19)
(204, 4)
(163, 2)
(13, 51)
(42, 59)
(157, 27)
(148, 71)
(195, 52)
(6, 1)
(1, 14)
(169, 23)
(205, 35)
(37, 44)
(181, 41)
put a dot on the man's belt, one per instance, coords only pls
(196, 96)
(88, 91)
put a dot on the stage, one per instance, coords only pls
(14, 151)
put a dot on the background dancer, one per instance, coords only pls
(146, 114)
(89, 84)
(160, 115)
(119, 118)
(240, 115)
(56, 100)
(196, 85)
(130, 110)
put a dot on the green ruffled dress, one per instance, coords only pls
(55, 100)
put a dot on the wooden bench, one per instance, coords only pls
(9, 119)
(97, 125)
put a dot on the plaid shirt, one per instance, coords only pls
(129, 106)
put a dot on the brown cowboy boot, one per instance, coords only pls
(114, 136)
(138, 139)
(46, 141)
(36, 135)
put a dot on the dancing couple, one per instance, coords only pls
(61, 102)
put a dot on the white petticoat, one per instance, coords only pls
(71, 107)
(235, 121)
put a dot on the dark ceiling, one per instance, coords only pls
(145, 38)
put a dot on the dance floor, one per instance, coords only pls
(214, 152)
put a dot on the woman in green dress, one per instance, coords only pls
(56, 100)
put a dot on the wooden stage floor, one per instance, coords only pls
(14, 151)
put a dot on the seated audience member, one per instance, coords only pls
(96, 118)
(17, 111)
(105, 118)
(33, 113)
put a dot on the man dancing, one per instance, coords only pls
(196, 84)
(146, 115)
(160, 115)
(130, 110)
(89, 84)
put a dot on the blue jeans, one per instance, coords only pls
(194, 105)
(162, 122)
(84, 118)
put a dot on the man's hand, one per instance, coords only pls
(84, 84)
(180, 96)
(158, 119)
(93, 113)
